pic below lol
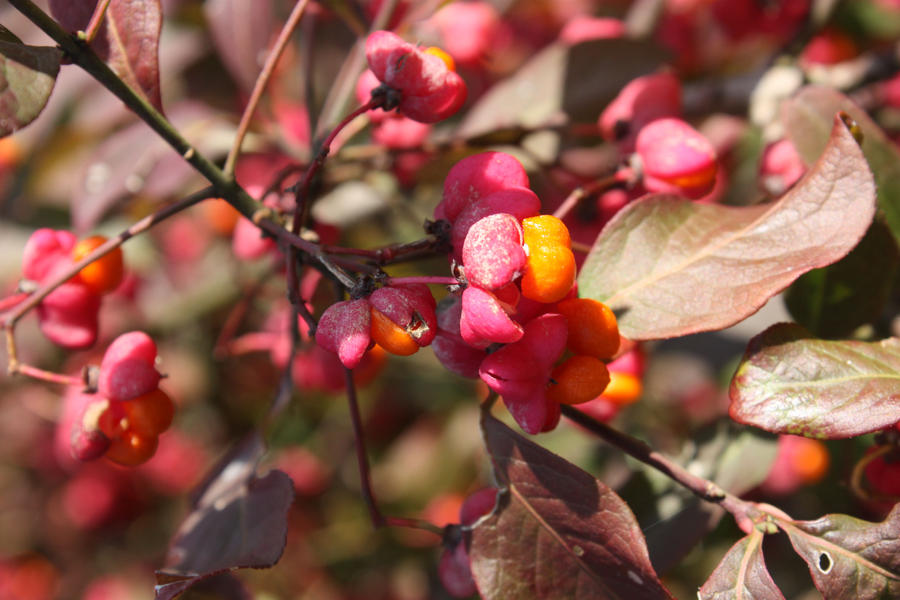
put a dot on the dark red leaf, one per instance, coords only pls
(556, 532)
(27, 76)
(742, 574)
(128, 40)
(849, 557)
(790, 382)
(670, 267)
(239, 520)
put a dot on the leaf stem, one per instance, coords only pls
(93, 27)
(745, 513)
(261, 82)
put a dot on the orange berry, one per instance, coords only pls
(370, 366)
(549, 273)
(579, 379)
(391, 336)
(104, 274)
(150, 414)
(132, 449)
(623, 388)
(810, 460)
(592, 327)
(545, 230)
(219, 215)
(448, 60)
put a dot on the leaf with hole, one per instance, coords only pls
(791, 382)
(27, 77)
(849, 557)
(557, 532)
(670, 267)
(742, 574)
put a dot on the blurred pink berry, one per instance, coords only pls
(467, 29)
(585, 28)
(400, 133)
(643, 100)
(828, 47)
(428, 90)
(676, 158)
(780, 167)
(344, 330)
(128, 369)
(45, 251)
(68, 316)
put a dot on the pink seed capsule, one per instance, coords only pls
(344, 330)
(493, 254)
(643, 100)
(676, 158)
(477, 176)
(128, 368)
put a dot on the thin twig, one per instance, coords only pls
(261, 81)
(96, 22)
(600, 185)
(362, 458)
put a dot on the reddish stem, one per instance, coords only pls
(362, 458)
(36, 373)
(10, 301)
(437, 280)
(93, 26)
(600, 185)
(302, 194)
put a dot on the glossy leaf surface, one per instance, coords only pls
(791, 382)
(671, 267)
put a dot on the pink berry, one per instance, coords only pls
(883, 474)
(676, 158)
(467, 29)
(344, 330)
(68, 316)
(410, 307)
(643, 100)
(400, 133)
(448, 346)
(477, 176)
(46, 250)
(493, 254)
(477, 505)
(828, 47)
(248, 243)
(455, 572)
(519, 202)
(429, 91)
(780, 167)
(585, 28)
(485, 320)
(128, 368)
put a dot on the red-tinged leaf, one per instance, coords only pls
(239, 520)
(849, 557)
(128, 40)
(742, 574)
(241, 32)
(807, 117)
(670, 267)
(561, 84)
(790, 382)
(556, 532)
(27, 76)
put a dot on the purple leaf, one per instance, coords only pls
(557, 532)
(239, 520)
(742, 574)
(27, 76)
(670, 267)
(790, 382)
(128, 40)
(806, 118)
(241, 32)
(849, 557)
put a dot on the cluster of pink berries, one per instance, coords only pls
(124, 419)
(68, 316)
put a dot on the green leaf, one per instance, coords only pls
(833, 301)
(670, 267)
(27, 76)
(806, 118)
(557, 532)
(742, 574)
(849, 557)
(790, 382)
